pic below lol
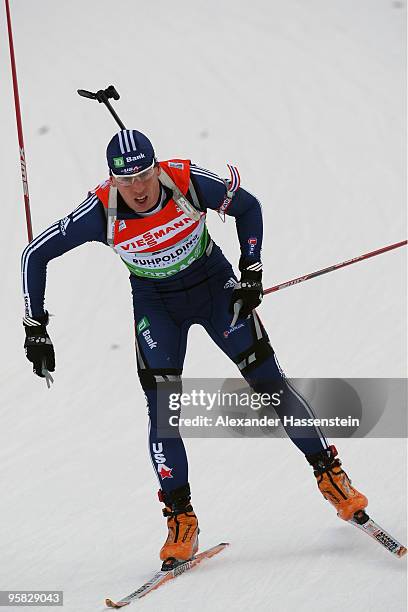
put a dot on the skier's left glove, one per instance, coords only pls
(38, 346)
(249, 289)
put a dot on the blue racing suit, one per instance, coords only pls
(165, 308)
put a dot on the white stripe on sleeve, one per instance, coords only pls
(85, 209)
(33, 246)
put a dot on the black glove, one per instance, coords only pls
(38, 346)
(249, 289)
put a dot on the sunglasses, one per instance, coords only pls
(126, 180)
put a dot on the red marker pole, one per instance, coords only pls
(19, 126)
(301, 279)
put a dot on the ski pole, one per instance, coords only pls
(301, 279)
(19, 126)
(103, 96)
(48, 378)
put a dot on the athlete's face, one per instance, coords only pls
(141, 195)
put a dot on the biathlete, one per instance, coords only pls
(154, 215)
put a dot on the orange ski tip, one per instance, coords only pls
(402, 551)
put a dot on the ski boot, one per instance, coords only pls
(182, 539)
(335, 485)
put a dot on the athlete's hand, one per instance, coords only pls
(38, 346)
(249, 290)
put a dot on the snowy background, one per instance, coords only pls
(308, 99)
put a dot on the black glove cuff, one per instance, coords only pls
(37, 321)
(249, 265)
(251, 271)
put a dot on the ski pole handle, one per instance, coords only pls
(47, 375)
(237, 307)
(103, 96)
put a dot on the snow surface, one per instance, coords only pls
(308, 99)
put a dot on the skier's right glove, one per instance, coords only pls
(38, 346)
(248, 291)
